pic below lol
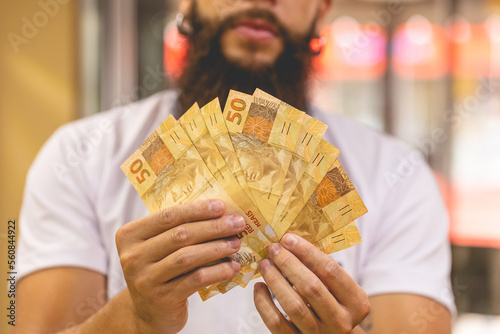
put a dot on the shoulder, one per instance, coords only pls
(371, 157)
(127, 120)
(391, 178)
(405, 245)
(103, 140)
(359, 140)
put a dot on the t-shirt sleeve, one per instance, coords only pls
(58, 226)
(410, 251)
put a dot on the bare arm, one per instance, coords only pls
(406, 313)
(162, 257)
(59, 299)
(53, 299)
(320, 297)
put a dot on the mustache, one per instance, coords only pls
(254, 13)
(233, 19)
(209, 73)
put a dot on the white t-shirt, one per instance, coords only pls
(77, 197)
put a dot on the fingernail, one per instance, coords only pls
(237, 221)
(236, 265)
(273, 249)
(215, 206)
(265, 264)
(234, 243)
(289, 240)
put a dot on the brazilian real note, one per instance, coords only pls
(321, 163)
(264, 136)
(334, 204)
(344, 238)
(214, 121)
(310, 136)
(193, 123)
(167, 170)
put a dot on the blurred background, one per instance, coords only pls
(427, 72)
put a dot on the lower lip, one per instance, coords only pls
(261, 35)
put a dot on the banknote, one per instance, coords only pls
(321, 163)
(208, 292)
(214, 120)
(242, 279)
(167, 170)
(266, 160)
(260, 137)
(344, 238)
(193, 123)
(310, 136)
(334, 204)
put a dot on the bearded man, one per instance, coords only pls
(92, 260)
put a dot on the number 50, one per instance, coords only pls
(237, 105)
(136, 167)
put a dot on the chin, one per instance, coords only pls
(251, 55)
(252, 61)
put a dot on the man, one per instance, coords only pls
(76, 276)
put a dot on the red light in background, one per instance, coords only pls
(420, 50)
(175, 50)
(358, 52)
(474, 217)
(352, 51)
(477, 48)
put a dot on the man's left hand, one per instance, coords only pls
(317, 295)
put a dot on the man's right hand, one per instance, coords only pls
(162, 257)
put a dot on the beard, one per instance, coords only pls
(209, 74)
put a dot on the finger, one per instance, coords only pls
(335, 278)
(309, 286)
(272, 317)
(294, 306)
(189, 258)
(166, 243)
(164, 220)
(184, 286)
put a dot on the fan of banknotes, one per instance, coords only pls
(266, 160)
